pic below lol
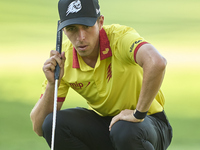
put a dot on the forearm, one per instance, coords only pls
(152, 79)
(42, 108)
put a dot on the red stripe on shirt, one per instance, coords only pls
(59, 99)
(75, 59)
(137, 48)
(105, 49)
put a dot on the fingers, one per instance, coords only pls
(114, 120)
(63, 58)
(126, 115)
(55, 57)
(53, 52)
(50, 64)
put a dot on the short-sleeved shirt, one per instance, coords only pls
(115, 82)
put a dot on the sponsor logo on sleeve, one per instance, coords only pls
(134, 45)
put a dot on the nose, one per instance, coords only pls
(81, 34)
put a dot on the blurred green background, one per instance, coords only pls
(28, 33)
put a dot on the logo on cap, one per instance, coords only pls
(74, 7)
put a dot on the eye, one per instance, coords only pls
(86, 27)
(70, 28)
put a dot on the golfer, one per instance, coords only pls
(118, 73)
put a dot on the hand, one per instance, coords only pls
(50, 64)
(126, 115)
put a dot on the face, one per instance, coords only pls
(85, 39)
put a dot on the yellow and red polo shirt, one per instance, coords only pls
(115, 82)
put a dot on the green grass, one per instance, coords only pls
(181, 90)
(27, 31)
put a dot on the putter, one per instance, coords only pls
(56, 76)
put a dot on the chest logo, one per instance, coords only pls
(76, 85)
(106, 51)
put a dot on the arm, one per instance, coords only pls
(153, 65)
(45, 105)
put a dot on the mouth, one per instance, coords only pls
(82, 47)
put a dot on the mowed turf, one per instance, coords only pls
(27, 31)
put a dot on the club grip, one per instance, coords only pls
(58, 48)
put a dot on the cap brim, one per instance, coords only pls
(82, 21)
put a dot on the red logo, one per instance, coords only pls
(76, 85)
(79, 86)
(109, 72)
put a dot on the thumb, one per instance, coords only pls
(63, 57)
(113, 121)
(62, 65)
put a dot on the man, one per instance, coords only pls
(117, 72)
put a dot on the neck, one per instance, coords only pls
(92, 59)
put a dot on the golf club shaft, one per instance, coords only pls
(54, 114)
(56, 76)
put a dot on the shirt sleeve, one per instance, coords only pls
(62, 90)
(128, 45)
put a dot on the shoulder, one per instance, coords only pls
(124, 41)
(116, 29)
(119, 34)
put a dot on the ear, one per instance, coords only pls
(64, 30)
(101, 21)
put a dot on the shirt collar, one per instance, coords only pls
(105, 50)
